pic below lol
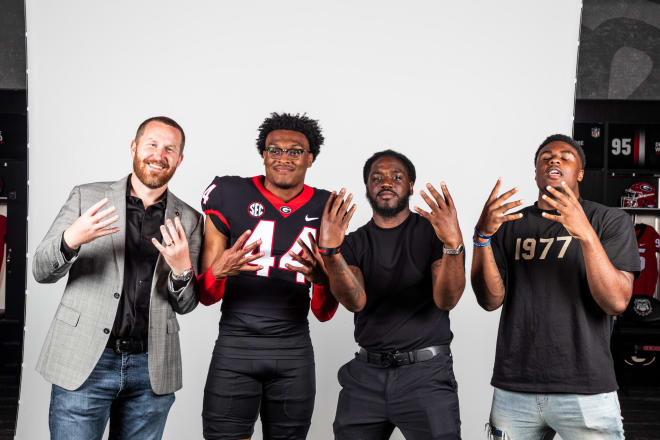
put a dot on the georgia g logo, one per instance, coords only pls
(256, 209)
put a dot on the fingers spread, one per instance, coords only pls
(300, 259)
(179, 228)
(312, 241)
(101, 214)
(448, 198)
(250, 258)
(329, 203)
(241, 240)
(300, 269)
(166, 235)
(159, 246)
(96, 206)
(559, 196)
(504, 208)
(552, 202)
(250, 268)
(511, 217)
(339, 200)
(420, 211)
(427, 199)
(349, 214)
(104, 232)
(306, 250)
(251, 247)
(105, 223)
(569, 192)
(553, 217)
(506, 195)
(496, 189)
(346, 204)
(172, 230)
(440, 200)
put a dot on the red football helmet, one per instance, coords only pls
(640, 195)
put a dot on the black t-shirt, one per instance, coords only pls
(553, 337)
(272, 304)
(396, 263)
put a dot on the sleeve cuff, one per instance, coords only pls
(70, 255)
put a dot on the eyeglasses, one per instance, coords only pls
(292, 153)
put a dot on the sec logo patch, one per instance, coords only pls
(256, 209)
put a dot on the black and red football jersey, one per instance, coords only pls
(235, 204)
(648, 243)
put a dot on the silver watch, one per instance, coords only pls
(185, 276)
(456, 251)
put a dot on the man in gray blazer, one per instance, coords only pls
(130, 248)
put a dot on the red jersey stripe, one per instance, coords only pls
(217, 214)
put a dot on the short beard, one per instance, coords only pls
(150, 182)
(389, 212)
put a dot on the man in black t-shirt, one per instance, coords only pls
(561, 268)
(400, 274)
(260, 255)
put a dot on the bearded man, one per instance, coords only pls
(400, 274)
(130, 249)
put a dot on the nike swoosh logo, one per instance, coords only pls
(309, 219)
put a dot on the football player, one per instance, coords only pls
(260, 257)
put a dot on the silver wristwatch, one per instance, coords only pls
(184, 277)
(456, 251)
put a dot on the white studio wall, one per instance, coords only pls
(467, 90)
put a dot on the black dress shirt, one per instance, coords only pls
(140, 256)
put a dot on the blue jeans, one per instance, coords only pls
(529, 416)
(118, 389)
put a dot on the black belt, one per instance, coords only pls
(127, 346)
(398, 358)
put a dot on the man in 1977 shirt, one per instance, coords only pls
(561, 268)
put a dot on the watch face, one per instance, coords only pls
(456, 251)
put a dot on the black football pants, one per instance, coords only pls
(420, 399)
(238, 390)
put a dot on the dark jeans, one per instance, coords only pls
(118, 389)
(420, 399)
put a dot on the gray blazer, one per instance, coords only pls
(80, 331)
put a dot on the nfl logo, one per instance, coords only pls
(256, 209)
(285, 209)
(595, 132)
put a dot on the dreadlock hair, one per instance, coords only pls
(286, 121)
(567, 140)
(389, 153)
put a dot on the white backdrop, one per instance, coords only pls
(466, 89)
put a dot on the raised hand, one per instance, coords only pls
(443, 216)
(175, 252)
(91, 225)
(237, 259)
(494, 212)
(336, 216)
(571, 214)
(312, 266)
